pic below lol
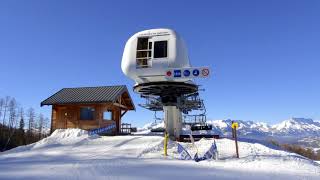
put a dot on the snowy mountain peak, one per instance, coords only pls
(299, 121)
(298, 126)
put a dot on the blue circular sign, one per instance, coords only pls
(196, 72)
(186, 73)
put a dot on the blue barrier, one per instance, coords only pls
(100, 130)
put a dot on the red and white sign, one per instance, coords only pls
(205, 72)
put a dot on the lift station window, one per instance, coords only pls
(144, 50)
(160, 49)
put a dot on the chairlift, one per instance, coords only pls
(156, 119)
(199, 127)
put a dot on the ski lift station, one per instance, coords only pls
(157, 60)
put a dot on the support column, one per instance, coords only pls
(172, 121)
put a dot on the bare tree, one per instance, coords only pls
(46, 127)
(12, 108)
(5, 107)
(31, 124)
(1, 106)
(12, 121)
(40, 125)
(4, 113)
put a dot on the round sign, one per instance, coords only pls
(195, 72)
(186, 73)
(169, 73)
(205, 72)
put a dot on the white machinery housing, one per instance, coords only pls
(148, 54)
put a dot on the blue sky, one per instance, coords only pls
(265, 55)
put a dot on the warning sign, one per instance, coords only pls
(235, 125)
(205, 72)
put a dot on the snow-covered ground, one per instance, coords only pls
(72, 154)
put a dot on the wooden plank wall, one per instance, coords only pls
(68, 116)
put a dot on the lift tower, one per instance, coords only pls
(157, 60)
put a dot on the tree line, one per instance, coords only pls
(19, 126)
(303, 151)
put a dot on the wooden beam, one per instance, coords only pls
(51, 128)
(123, 113)
(126, 100)
(120, 105)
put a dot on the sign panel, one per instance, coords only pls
(235, 125)
(101, 130)
(194, 72)
(177, 73)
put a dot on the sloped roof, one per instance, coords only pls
(86, 95)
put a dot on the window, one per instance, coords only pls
(107, 115)
(87, 113)
(160, 49)
(142, 44)
(143, 52)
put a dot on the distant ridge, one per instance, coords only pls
(293, 126)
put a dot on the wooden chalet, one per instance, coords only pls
(89, 107)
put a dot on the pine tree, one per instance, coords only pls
(21, 128)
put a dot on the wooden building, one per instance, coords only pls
(89, 107)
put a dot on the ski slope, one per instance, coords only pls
(72, 154)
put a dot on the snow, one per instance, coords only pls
(146, 129)
(72, 154)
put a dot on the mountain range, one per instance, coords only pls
(302, 131)
(293, 127)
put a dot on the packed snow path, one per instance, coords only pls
(72, 154)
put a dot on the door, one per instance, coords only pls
(62, 122)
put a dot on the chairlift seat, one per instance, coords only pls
(199, 127)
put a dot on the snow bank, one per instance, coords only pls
(68, 133)
(57, 138)
(62, 137)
